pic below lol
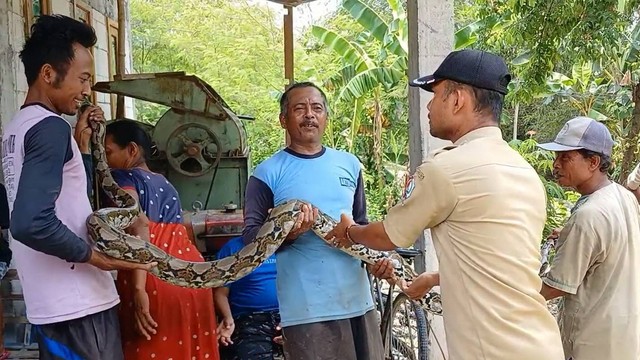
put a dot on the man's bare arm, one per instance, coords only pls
(550, 293)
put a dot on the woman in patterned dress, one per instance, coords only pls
(158, 320)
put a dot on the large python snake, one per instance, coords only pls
(107, 230)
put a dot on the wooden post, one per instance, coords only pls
(288, 54)
(288, 44)
(515, 121)
(120, 60)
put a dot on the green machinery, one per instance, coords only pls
(200, 145)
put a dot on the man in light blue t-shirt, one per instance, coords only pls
(326, 306)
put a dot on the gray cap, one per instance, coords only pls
(582, 133)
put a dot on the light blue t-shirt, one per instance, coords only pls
(317, 282)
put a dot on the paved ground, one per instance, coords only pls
(23, 354)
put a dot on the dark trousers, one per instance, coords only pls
(356, 338)
(253, 337)
(93, 337)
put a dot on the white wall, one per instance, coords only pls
(101, 59)
(63, 7)
(13, 86)
(130, 111)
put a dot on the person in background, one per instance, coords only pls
(596, 268)
(249, 328)
(159, 320)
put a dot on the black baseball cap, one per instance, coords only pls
(477, 68)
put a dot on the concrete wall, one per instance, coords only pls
(431, 28)
(62, 7)
(13, 86)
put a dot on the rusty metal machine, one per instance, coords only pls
(200, 146)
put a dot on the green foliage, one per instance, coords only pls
(243, 62)
(541, 121)
(393, 41)
(568, 58)
(373, 64)
(577, 53)
(550, 33)
(559, 201)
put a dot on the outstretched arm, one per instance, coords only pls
(431, 199)
(372, 235)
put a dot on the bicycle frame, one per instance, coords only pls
(387, 304)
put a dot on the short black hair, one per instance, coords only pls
(605, 160)
(51, 42)
(125, 132)
(487, 101)
(284, 99)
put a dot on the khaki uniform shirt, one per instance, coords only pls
(598, 263)
(633, 180)
(486, 208)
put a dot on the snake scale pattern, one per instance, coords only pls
(107, 230)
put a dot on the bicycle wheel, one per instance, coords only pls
(401, 350)
(405, 324)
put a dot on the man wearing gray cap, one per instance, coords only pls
(486, 208)
(597, 263)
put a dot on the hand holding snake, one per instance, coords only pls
(107, 229)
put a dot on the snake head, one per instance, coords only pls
(84, 104)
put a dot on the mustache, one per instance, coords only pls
(309, 123)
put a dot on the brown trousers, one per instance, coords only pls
(356, 338)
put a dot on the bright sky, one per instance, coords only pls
(309, 13)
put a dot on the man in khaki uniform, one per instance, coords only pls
(597, 264)
(633, 182)
(485, 206)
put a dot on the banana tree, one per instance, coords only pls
(585, 90)
(366, 76)
(622, 69)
